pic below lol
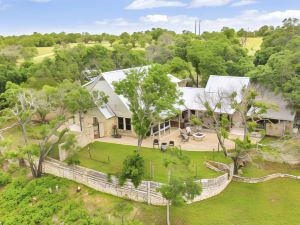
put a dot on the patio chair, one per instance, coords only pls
(171, 143)
(188, 131)
(156, 142)
(184, 137)
(163, 147)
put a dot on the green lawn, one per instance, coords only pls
(108, 158)
(276, 202)
(259, 168)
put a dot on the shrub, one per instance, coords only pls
(133, 168)
(72, 161)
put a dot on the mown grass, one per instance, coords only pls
(108, 158)
(259, 168)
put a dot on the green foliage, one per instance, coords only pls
(178, 191)
(73, 161)
(122, 209)
(30, 202)
(277, 61)
(150, 93)
(4, 179)
(218, 53)
(134, 169)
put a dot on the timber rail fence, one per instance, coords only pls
(145, 192)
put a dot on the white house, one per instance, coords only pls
(99, 122)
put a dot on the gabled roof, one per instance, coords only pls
(227, 85)
(116, 76)
(106, 111)
(194, 99)
(281, 110)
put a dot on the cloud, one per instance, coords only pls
(250, 19)
(206, 3)
(41, 1)
(154, 18)
(4, 6)
(118, 22)
(150, 4)
(243, 3)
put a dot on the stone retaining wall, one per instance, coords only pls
(146, 192)
(265, 178)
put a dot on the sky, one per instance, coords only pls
(117, 16)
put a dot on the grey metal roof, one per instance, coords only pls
(227, 85)
(281, 110)
(194, 99)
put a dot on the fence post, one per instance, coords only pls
(148, 193)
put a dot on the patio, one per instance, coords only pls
(208, 143)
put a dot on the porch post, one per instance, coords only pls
(159, 131)
(179, 122)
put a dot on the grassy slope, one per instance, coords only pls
(117, 153)
(44, 52)
(270, 203)
(253, 44)
(275, 202)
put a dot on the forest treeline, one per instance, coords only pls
(276, 65)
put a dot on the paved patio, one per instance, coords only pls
(209, 143)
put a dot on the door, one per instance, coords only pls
(101, 130)
(96, 128)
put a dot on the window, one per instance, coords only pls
(95, 121)
(128, 123)
(121, 123)
(166, 123)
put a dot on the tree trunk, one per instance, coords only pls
(39, 170)
(221, 143)
(168, 213)
(236, 166)
(80, 121)
(140, 140)
(24, 134)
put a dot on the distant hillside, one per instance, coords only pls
(252, 44)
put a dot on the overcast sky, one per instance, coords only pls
(116, 16)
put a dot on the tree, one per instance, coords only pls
(177, 192)
(125, 38)
(216, 106)
(249, 121)
(46, 100)
(215, 112)
(122, 209)
(21, 107)
(134, 169)
(150, 93)
(181, 69)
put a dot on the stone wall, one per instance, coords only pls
(146, 192)
(265, 178)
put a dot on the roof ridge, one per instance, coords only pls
(228, 76)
